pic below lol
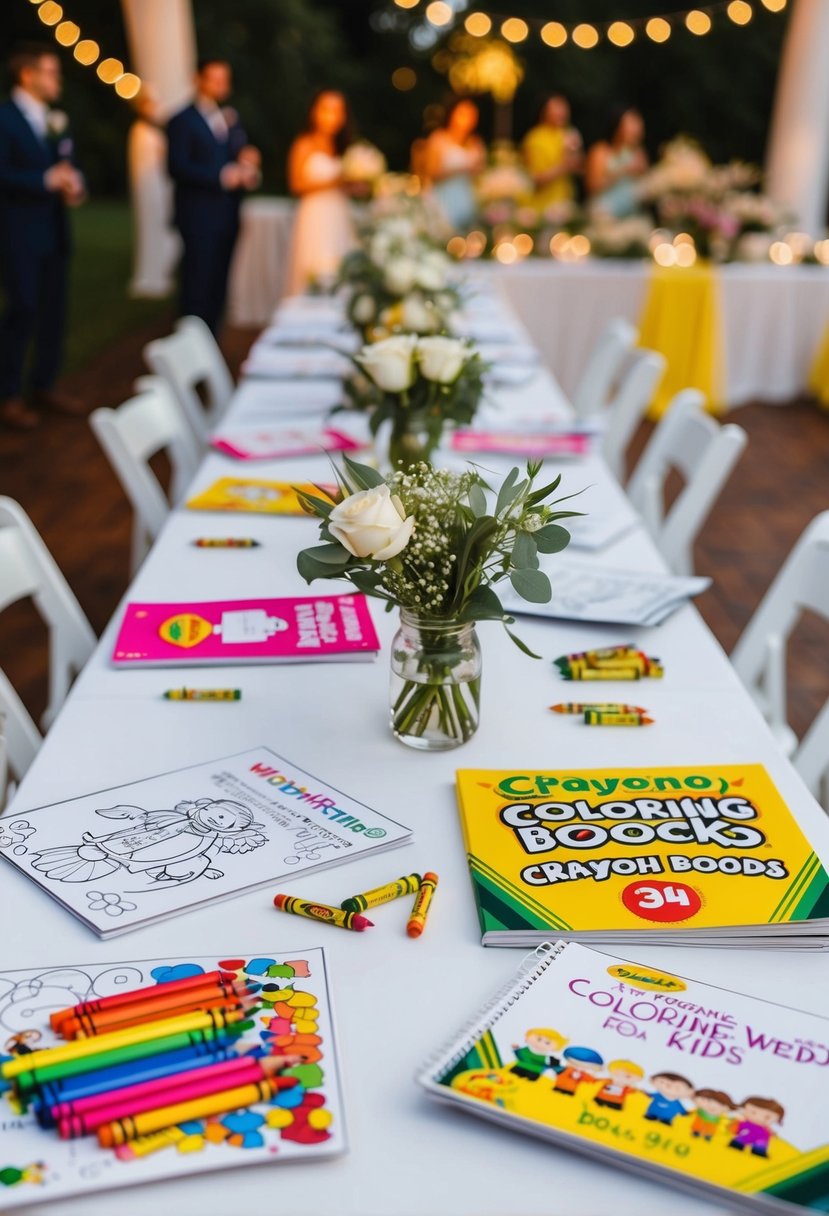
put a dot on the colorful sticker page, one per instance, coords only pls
(301, 1123)
(125, 857)
(651, 1072)
(260, 497)
(291, 630)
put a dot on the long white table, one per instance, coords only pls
(397, 1000)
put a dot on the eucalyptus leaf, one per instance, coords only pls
(552, 538)
(531, 585)
(333, 554)
(525, 551)
(522, 645)
(477, 500)
(505, 494)
(362, 475)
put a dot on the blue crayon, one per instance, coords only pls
(148, 1068)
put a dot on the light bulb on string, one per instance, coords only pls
(50, 13)
(514, 29)
(87, 51)
(658, 29)
(110, 70)
(774, 6)
(620, 33)
(478, 24)
(554, 34)
(128, 86)
(439, 12)
(698, 22)
(585, 36)
(740, 12)
(67, 33)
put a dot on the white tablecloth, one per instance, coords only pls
(397, 1000)
(773, 316)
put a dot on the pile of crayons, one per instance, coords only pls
(137, 1064)
(623, 662)
(605, 713)
(348, 915)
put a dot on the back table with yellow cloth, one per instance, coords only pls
(682, 320)
(819, 375)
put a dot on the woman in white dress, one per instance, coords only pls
(614, 165)
(323, 228)
(453, 156)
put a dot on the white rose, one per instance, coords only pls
(418, 317)
(432, 271)
(371, 523)
(390, 363)
(379, 247)
(363, 310)
(442, 359)
(401, 275)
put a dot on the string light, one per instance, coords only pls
(87, 52)
(404, 79)
(586, 35)
(477, 24)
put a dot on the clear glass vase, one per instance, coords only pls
(411, 440)
(435, 682)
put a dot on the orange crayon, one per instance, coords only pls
(420, 910)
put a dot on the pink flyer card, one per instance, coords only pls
(273, 444)
(290, 630)
(520, 443)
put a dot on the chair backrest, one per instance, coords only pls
(691, 442)
(603, 367)
(21, 737)
(759, 657)
(130, 435)
(626, 408)
(188, 359)
(27, 569)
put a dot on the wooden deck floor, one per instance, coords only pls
(63, 480)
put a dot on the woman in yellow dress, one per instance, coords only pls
(553, 154)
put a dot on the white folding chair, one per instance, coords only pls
(759, 657)
(626, 408)
(190, 359)
(130, 435)
(28, 570)
(704, 453)
(604, 366)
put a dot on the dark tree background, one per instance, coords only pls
(718, 88)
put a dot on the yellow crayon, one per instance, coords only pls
(203, 694)
(601, 673)
(417, 920)
(81, 1048)
(604, 707)
(110, 1135)
(226, 542)
(142, 1146)
(594, 718)
(382, 895)
(602, 653)
(324, 912)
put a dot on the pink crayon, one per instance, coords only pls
(83, 1117)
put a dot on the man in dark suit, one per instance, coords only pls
(38, 181)
(212, 165)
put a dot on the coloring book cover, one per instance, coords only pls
(635, 850)
(259, 497)
(652, 1070)
(288, 441)
(295, 629)
(124, 857)
(519, 443)
(301, 1123)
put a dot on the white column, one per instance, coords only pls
(797, 160)
(162, 44)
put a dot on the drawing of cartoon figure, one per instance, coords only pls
(167, 846)
(538, 1055)
(754, 1125)
(22, 1043)
(624, 1078)
(670, 1093)
(581, 1064)
(712, 1104)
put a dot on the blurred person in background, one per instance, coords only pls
(453, 157)
(553, 154)
(615, 164)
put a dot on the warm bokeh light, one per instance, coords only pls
(87, 51)
(456, 246)
(664, 254)
(404, 79)
(35, 1)
(110, 70)
(585, 36)
(475, 244)
(774, 6)
(686, 254)
(697, 21)
(128, 86)
(740, 12)
(620, 33)
(50, 13)
(658, 29)
(407, 3)
(514, 29)
(439, 13)
(477, 24)
(559, 244)
(580, 245)
(683, 238)
(67, 33)
(506, 252)
(523, 244)
(781, 254)
(554, 33)
(822, 252)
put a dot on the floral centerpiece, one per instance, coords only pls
(435, 544)
(363, 165)
(417, 385)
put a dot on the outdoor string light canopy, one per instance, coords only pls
(586, 34)
(86, 51)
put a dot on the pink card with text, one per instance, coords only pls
(271, 445)
(288, 630)
(519, 443)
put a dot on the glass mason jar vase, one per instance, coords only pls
(411, 441)
(435, 682)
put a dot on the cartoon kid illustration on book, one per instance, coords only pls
(754, 1125)
(670, 1093)
(624, 1078)
(712, 1104)
(175, 846)
(582, 1064)
(538, 1055)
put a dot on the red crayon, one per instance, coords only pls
(203, 980)
(168, 1005)
(167, 1091)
